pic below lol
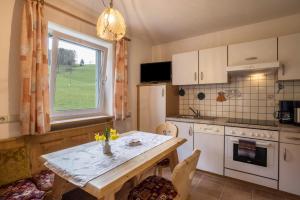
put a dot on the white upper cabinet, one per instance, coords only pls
(185, 68)
(260, 51)
(212, 65)
(288, 55)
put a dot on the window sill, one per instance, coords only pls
(78, 122)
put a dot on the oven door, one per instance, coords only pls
(265, 162)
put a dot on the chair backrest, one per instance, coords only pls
(167, 129)
(183, 174)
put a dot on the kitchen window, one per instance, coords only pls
(77, 75)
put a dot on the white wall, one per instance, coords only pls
(9, 59)
(139, 52)
(270, 28)
(11, 11)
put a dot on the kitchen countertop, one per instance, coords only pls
(224, 122)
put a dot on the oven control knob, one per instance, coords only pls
(232, 132)
(252, 134)
(243, 133)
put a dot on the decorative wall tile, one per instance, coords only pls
(253, 96)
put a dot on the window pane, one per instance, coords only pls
(76, 77)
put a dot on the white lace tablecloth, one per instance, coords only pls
(83, 163)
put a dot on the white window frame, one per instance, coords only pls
(102, 63)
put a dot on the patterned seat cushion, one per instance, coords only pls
(21, 190)
(164, 163)
(44, 180)
(153, 188)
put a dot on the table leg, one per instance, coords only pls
(109, 196)
(60, 186)
(173, 160)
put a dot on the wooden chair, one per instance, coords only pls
(183, 174)
(156, 187)
(165, 129)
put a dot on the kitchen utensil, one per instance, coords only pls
(181, 92)
(201, 96)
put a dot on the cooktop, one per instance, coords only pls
(253, 122)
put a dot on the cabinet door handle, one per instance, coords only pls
(202, 75)
(190, 131)
(163, 92)
(284, 155)
(251, 58)
(195, 76)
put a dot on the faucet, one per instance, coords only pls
(196, 112)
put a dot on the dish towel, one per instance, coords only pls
(247, 149)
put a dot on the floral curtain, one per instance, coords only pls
(34, 112)
(121, 105)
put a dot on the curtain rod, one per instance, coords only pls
(71, 15)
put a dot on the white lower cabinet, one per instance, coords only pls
(289, 169)
(185, 130)
(210, 140)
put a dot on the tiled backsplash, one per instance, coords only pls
(254, 96)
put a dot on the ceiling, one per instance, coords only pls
(163, 21)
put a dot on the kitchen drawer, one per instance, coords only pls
(206, 128)
(260, 51)
(290, 138)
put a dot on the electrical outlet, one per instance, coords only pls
(3, 119)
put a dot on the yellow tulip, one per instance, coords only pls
(114, 136)
(102, 138)
(97, 137)
(113, 131)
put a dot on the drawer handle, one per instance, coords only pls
(195, 76)
(293, 138)
(251, 58)
(191, 131)
(284, 155)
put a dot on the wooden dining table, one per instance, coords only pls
(106, 185)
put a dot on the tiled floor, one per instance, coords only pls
(211, 187)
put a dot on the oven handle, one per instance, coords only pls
(265, 144)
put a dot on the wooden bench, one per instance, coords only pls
(20, 157)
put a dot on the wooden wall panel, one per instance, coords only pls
(58, 140)
(38, 145)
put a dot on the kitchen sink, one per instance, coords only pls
(195, 117)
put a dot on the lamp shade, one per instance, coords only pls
(111, 25)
